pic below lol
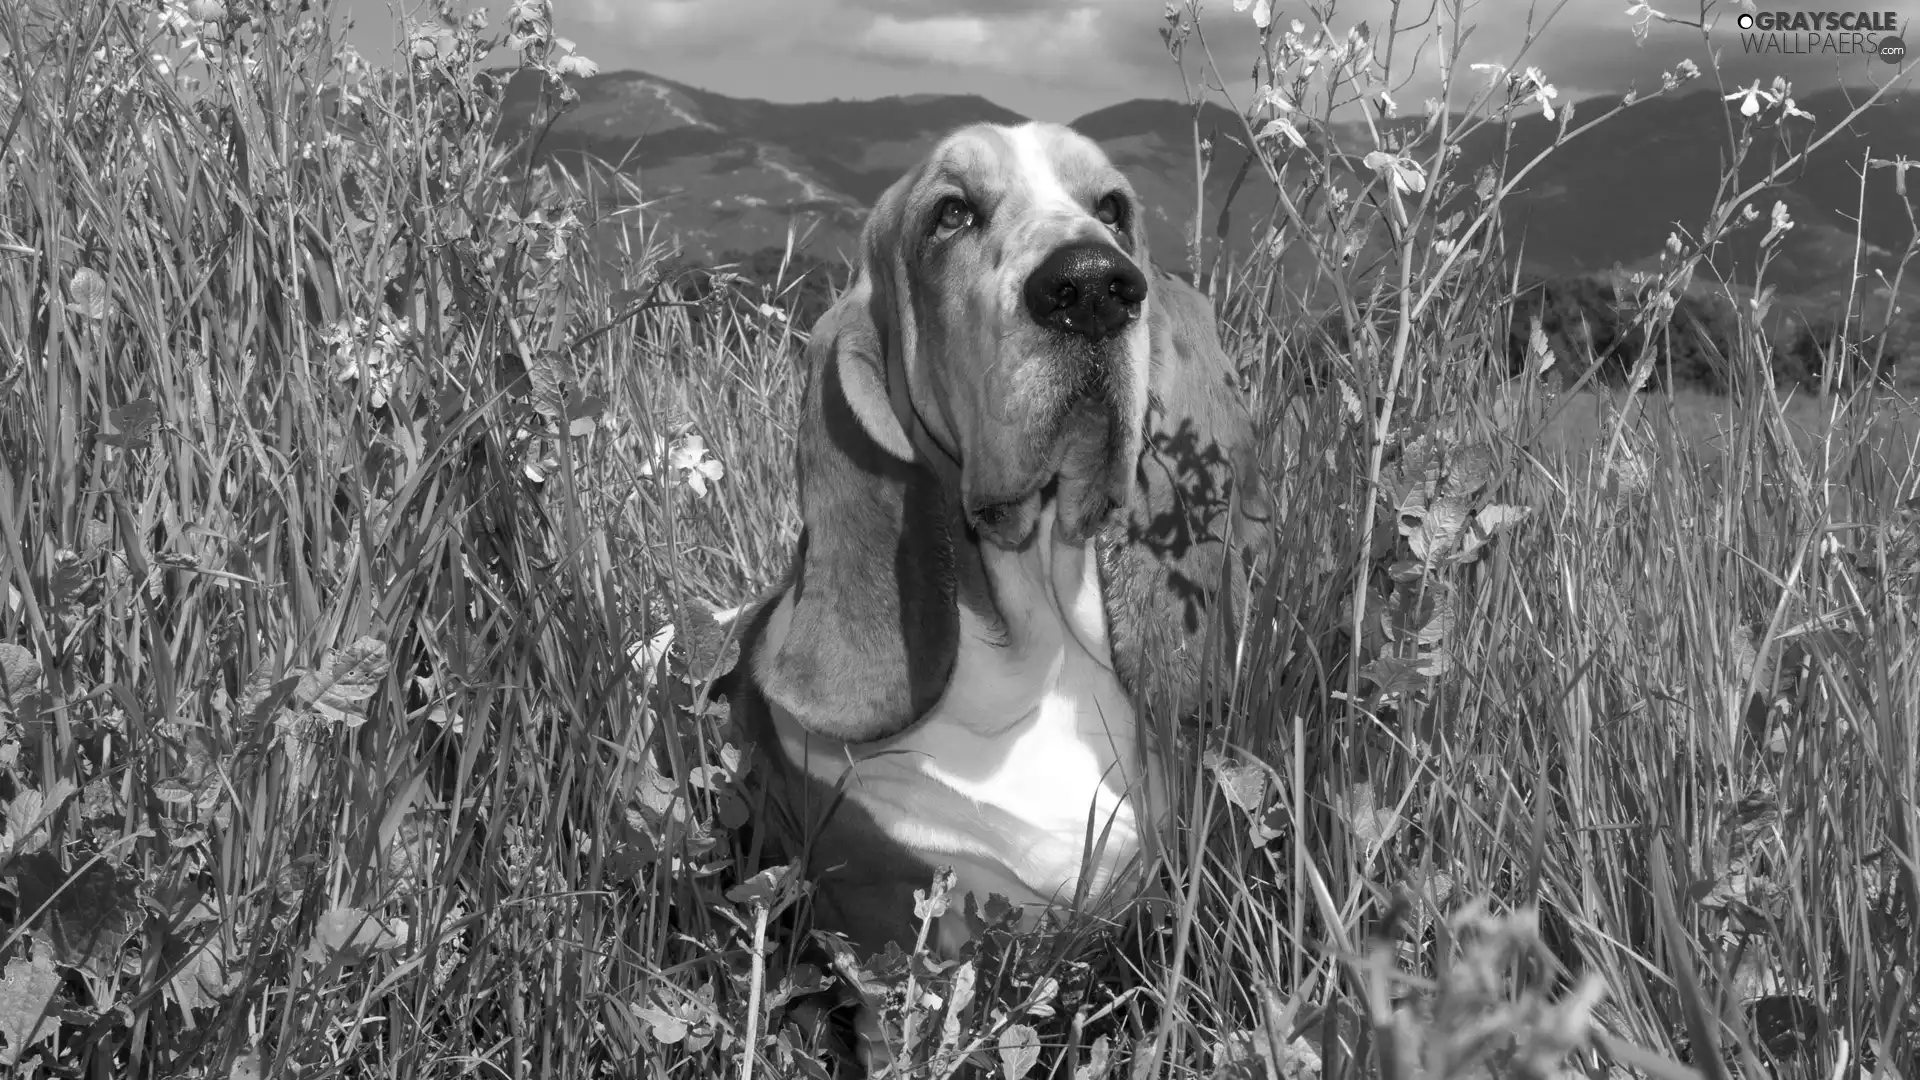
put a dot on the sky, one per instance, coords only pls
(1060, 59)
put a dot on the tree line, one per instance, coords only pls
(1586, 319)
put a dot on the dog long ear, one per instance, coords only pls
(872, 628)
(1199, 510)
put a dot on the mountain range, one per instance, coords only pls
(728, 176)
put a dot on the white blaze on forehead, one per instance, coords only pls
(1033, 164)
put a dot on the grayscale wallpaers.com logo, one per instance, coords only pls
(1805, 33)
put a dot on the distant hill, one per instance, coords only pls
(732, 174)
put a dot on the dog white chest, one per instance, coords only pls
(1029, 771)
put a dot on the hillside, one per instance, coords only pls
(729, 175)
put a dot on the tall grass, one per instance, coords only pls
(368, 490)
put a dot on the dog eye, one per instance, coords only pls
(955, 214)
(1109, 209)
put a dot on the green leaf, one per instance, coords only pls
(88, 295)
(201, 980)
(1019, 1051)
(773, 888)
(1392, 675)
(27, 818)
(351, 934)
(26, 1007)
(93, 911)
(133, 423)
(1490, 522)
(346, 680)
(665, 1027)
(1244, 785)
(1372, 825)
(19, 674)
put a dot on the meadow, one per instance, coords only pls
(368, 493)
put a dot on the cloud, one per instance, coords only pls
(1030, 45)
(955, 40)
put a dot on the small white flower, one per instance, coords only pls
(573, 63)
(1404, 172)
(1643, 17)
(686, 461)
(1272, 97)
(1262, 11)
(1751, 99)
(1542, 92)
(701, 468)
(1277, 128)
(1689, 69)
(1780, 224)
(1388, 105)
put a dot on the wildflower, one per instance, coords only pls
(1673, 243)
(1900, 164)
(367, 358)
(1279, 126)
(1783, 93)
(573, 63)
(686, 461)
(1272, 97)
(577, 66)
(1751, 104)
(1643, 17)
(1689, 69)
(206, 11)
(1542, 92)
(1262, 11)
(768, 311)
(1388, 105)
(1403, 171)
(1781, 223)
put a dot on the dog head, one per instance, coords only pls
(998, 349)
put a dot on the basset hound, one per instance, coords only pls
(1018, 455)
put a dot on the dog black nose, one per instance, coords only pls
(1088, 289)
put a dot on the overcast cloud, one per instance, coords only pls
(1058, 59)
